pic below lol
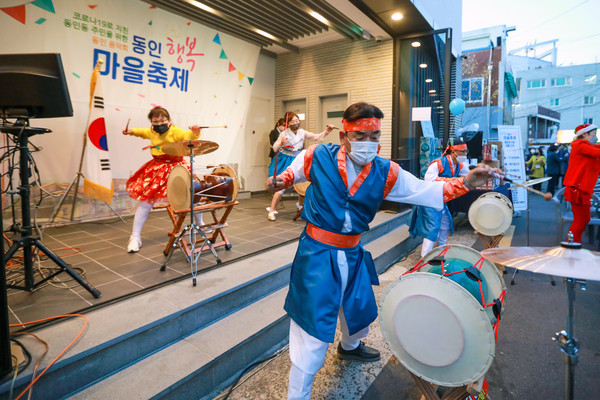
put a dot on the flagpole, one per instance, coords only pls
(76, 180)
(87, 126)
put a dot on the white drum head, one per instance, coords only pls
(437, 330)
(491, 214)
(178, 188)
(300, 188)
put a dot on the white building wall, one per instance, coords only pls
(571, 98)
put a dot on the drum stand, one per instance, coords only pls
(192, 230)
(569, 346)
(429, 390)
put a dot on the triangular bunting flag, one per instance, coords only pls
(240, 76)
(93, 6)
(17, 12)
(223, 55)
(44, 5)
(217, 39)
(250, 80)
(231, 67)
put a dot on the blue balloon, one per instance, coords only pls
(457, 106)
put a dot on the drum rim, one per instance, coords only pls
(463, 371)
(482, 229)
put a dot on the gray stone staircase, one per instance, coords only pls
(185, 342)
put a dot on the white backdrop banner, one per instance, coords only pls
(151, 57)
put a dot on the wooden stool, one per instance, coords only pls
(429, 390)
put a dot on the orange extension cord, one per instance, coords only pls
(58, 356)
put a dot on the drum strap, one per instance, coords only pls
(331, 238)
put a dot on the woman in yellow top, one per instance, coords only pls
(149, 184)
(537, 163)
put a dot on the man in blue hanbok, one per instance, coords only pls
(431, 224)
(332, 274)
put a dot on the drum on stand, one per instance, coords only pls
(440, 319)
(491, 214)
(301, 188)
(219, 185)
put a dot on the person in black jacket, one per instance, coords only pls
(274, 135)
(553, 167)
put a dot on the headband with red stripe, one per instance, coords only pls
(459, 147)
(362, 124)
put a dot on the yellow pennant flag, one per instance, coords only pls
(96, 168)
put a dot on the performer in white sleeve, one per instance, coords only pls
(332, 274)
(428, 222)
(289, 144)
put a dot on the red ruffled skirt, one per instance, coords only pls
(149, 183)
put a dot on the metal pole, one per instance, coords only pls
(447, 83)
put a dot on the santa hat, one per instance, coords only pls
(581, 129)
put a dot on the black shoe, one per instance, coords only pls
(361, 353)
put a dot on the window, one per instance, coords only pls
(560, 82)
(554, 102)
(536, 84)
(472, 90)
(588, 120)
(588, 100)
(590, 79)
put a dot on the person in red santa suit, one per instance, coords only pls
(581, 177)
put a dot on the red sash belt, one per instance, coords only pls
(330, 238)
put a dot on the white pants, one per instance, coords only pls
(307, 353)
(442, 237)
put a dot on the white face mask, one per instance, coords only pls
(461, 159)
(363, 152)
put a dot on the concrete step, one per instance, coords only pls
(193, 367)
(158, 325)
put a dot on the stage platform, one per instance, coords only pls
(97, 250)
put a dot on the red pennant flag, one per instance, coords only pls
(17, 12)
(231, 67)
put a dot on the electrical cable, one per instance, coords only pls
(61, 353)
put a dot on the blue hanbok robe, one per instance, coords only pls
(315, 287)
(426, 221)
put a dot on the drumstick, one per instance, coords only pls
(127, 126)
(546, 196)
(208, 127)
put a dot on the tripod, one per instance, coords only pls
(27, 242)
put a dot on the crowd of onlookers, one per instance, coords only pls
(554, 164)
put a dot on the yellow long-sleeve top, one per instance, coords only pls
(157, 140)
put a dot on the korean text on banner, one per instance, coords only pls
(96, 169)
